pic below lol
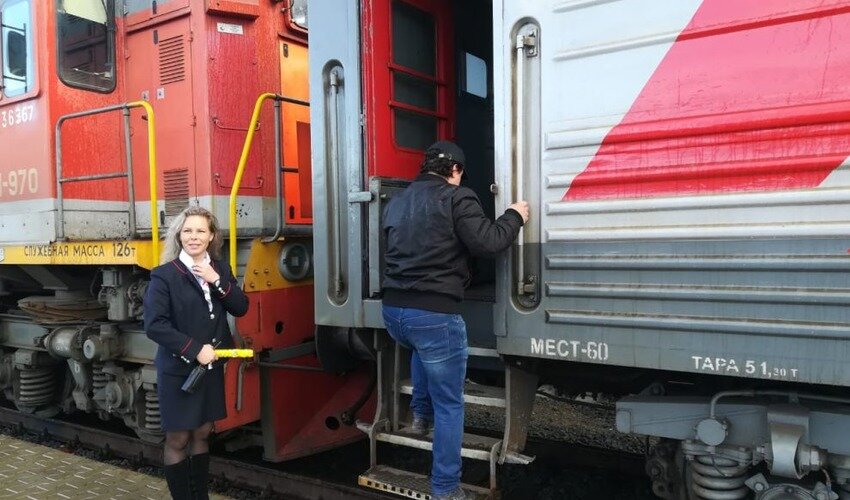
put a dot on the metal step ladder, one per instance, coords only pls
(392, 419)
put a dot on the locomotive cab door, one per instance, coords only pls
(159, 71)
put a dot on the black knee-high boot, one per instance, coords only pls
(200, 465)
(178, 476)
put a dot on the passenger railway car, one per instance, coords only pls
(685, 161)
(114, 116)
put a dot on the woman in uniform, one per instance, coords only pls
(185, 311)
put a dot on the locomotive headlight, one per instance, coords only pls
(298, 12)
(296, 261)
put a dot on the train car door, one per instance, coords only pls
(517, 118)
(363, 150)
(335, 114)
(565, 75)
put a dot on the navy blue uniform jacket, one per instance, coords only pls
(178, 318)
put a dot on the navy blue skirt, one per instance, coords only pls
(181, 411)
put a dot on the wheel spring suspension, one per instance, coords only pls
(718, 478)
(38, 385)
(99, 378)
(153, 420)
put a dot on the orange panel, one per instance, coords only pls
(294, 82)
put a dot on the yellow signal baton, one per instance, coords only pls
(234, 353)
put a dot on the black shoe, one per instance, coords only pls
(177, 477)
(456, 494)
(420, 426)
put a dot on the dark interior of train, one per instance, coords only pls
(473, 22)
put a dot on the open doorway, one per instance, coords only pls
(427, 76)
(474, 118)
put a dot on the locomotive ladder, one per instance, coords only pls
(390, 425)
(131, 198)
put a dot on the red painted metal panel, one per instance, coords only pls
(384, 156)
(307, 406)
(154, 58)
(241, 66)
(90, 145)
(245, 8)
(301, 401)
(752, 96)
(275, 319)
(25, 134)
(26, 161)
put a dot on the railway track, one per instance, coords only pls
(581, 466)
(255, 477)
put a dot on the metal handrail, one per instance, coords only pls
(243, 159)
(131, 198)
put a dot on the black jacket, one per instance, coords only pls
(178, 318)
(431, 229)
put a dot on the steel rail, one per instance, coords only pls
(242, 474)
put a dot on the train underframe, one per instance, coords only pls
(724, 438)
(67, 347)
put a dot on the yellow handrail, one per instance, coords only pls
(152, 175)
(130, 184)
(237, 181)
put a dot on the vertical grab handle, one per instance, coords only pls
(520, 155)
(333, 137)
(278, 166)
(525, 46)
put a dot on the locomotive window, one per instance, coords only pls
(16, 39)
(86, 43)
(414, 76)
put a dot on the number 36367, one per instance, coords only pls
(24, 113)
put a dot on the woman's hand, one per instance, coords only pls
(207, 355)
(206, 272)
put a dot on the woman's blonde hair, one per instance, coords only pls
(172, 245)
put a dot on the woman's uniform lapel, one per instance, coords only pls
(187, 274)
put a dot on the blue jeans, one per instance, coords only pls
(438, 368)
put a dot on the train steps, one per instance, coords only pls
(408, 484)
(392, 417)
(476, 394)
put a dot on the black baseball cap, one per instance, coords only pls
(446, 149)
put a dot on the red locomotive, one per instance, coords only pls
(114, 116)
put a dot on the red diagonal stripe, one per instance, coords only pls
(754, 95)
